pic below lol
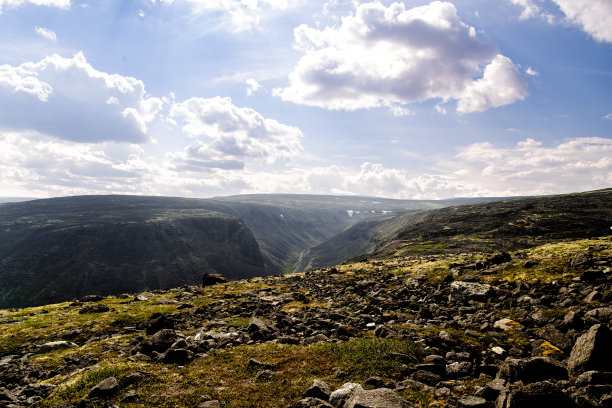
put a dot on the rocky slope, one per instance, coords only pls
(521, 329)
(509, 225)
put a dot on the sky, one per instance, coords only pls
(203, 98)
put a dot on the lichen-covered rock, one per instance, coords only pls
(377, 398)
(461, 291)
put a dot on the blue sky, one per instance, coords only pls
(199, 98)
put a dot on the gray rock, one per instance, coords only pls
(592, 351)
(342, 394)
(105, 388)
(461, 291)
(311, 402)
(318, 389)
(55, 345)
(599, 315)
(378, 398)
(539, 395)
(472, 401)
(530, 370)
(159, 342)
(556, 338)
(458, 369)
(506, 324)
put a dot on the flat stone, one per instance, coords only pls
(506, 324)
(472, 401)
(378, 398)
(56, 345)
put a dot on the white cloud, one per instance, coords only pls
(501, 84)
(42, 166)
(252, 86)
(578, 164)
(532, 10)
(232, 134)
(69, 99)
(63, 4)
(385, 56)
(594, 16)
(243, 14)
(531, 72)
(46, 33)
(608, 116)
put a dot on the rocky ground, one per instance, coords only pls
(524, 329)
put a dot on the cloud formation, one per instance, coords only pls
(243, 14)
(391, 56)
(46, 33)
(69, 99)
(39, 165)
(63, 4)
(593, 16)
(227, 135)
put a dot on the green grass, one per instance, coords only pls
(370, 356)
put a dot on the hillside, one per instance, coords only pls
(526, 327)
(59, 249)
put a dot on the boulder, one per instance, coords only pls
(538, 395)
(377, 398)
(105, 388)
(506, 324)
(462, 291)
(258, 330)
(530, 370)
(591, 351)
(176, 356)
(95, 308)
(342, 394)
(210, 279)
(159, 342)
(472, 401)
(55, 345)
(318, 389)
(157, 322)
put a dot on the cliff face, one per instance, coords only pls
(54, 255)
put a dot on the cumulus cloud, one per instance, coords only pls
(386, 56)
(69, 99)
(63, 4)
(593, 16)
(227, 135)
(243, 14)
(46, 33)
(252, 86)
(529, 167)
(39, 165)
